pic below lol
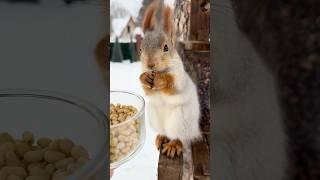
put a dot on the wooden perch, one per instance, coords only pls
(201, 160)
(170, 169)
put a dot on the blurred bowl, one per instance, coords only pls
(55, 115)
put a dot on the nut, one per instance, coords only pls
(18, 171)
(53, 156)
(62, 164)
(34, 156)
(123, 138)
(79, 151)
(27, 137)
(44, 142)
(22, 159)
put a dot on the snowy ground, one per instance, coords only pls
(125, 76)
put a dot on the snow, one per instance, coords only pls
(128, 8)
(125, 76)
(133, 6)
(118, 24)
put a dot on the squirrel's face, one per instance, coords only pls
(157, 48)
(156, 51)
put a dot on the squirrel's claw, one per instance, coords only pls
(149, 80)
(146, 80)
(161, 140)
(172, 148)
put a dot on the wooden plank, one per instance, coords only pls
(201, 159)
(170, 169)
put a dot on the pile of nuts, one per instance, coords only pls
(123, 138)
(119, 113)
(45, 159)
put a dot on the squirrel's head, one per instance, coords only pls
(158, 45)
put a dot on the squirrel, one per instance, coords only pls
(173, 104)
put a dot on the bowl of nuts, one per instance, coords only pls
(127, 126)
(51, 136)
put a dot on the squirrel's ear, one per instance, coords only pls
(149, 22)
(168, 24)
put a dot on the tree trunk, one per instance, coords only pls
(182, 19)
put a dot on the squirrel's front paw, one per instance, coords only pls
(146, 80)
(159, 81)
(172, 148)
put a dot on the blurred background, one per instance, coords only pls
(50, 45)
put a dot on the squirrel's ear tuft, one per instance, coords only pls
(149, 22)
(168, 24)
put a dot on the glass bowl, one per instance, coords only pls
(55, 115)
(127, 137)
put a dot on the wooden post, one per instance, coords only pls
(200, 20)
(182, 19)
(170, 169)
(201, 158)
(192, 18)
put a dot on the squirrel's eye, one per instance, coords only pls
(165, 48)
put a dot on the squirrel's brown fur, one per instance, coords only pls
(148, 22)
(168, 20)
(149, 18)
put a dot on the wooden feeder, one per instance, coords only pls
(193, 27)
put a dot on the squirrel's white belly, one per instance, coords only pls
(158, 112)
(176, 121)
